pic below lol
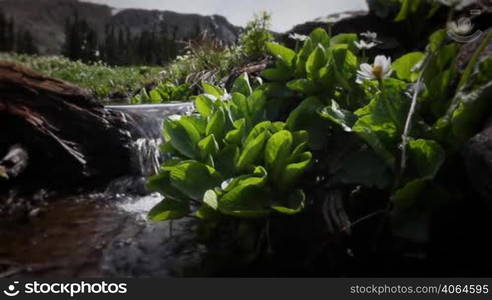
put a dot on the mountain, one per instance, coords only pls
(46, 21)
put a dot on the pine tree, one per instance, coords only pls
(10, 35)
(81, 41)
(26, 43)
(3, 32)
(110, 47)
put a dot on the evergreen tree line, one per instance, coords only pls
(118, 46)
(13, 39)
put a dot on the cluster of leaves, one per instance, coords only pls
(163, 93)
(206, 60)
(256, 34)
(378, 112)
(410, 122)
(229, 159)
(101, 79)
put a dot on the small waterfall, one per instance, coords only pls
(146, 141)
(148, 158)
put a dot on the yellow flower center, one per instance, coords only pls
(377, 71)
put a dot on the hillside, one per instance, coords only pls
(46, 20)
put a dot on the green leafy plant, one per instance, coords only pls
(230, 160)
(164, 92)
(249, 148)
(256, 34)
(412, 119)
(98, 77)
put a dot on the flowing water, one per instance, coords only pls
(106, 234)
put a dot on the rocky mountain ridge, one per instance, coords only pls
(46, 20)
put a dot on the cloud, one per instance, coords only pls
(285, 13)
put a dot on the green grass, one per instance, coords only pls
(205, 60)
(100, 78)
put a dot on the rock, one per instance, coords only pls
(71, 139)
(478, 161)
(14, 163)
(383, 9)
(389, 33)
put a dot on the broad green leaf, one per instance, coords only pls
(425, 159)
(208, 146)
(301, 58)
(241, 85)
(406, 197)
(300, 137)
(404, 66)
(245, 196)
(212, 90)
(345, 38)
(155, 97)
(246, 201)
(319, 36)
(294, 171)
(241, 103)
(169, 209)
(377, 138)
(236, 136)
(344, 65)
(277, 74)
(183, 136)
(256, 104)
(295, 204)
(257, 130)
(210, 198)
(427, 156)
(305, 86)
(194, 179)
(225, 161)
(204, 105)
(472, 110)
(277, 151)
(381, 122)
(306, 117)
(161, 183)
(315, 62)
(217, 125)
(252, 151)
(437, 39)
(344, 118)
(408, 8)
(259, 177)
(283, 53)
(208, 214)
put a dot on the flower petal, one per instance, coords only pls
(367, 68)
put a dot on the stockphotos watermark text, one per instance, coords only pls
(71, 289)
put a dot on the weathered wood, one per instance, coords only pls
(71, 139)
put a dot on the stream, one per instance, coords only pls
(106, 234)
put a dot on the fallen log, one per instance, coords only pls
(71, 139)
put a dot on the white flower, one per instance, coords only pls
(372, 36)
(379, 70)
(364, 45)
(461, 27)
(298, 37)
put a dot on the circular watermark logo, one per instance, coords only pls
(462, 29)
(11, 290)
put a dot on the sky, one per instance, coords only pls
(285, 13)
